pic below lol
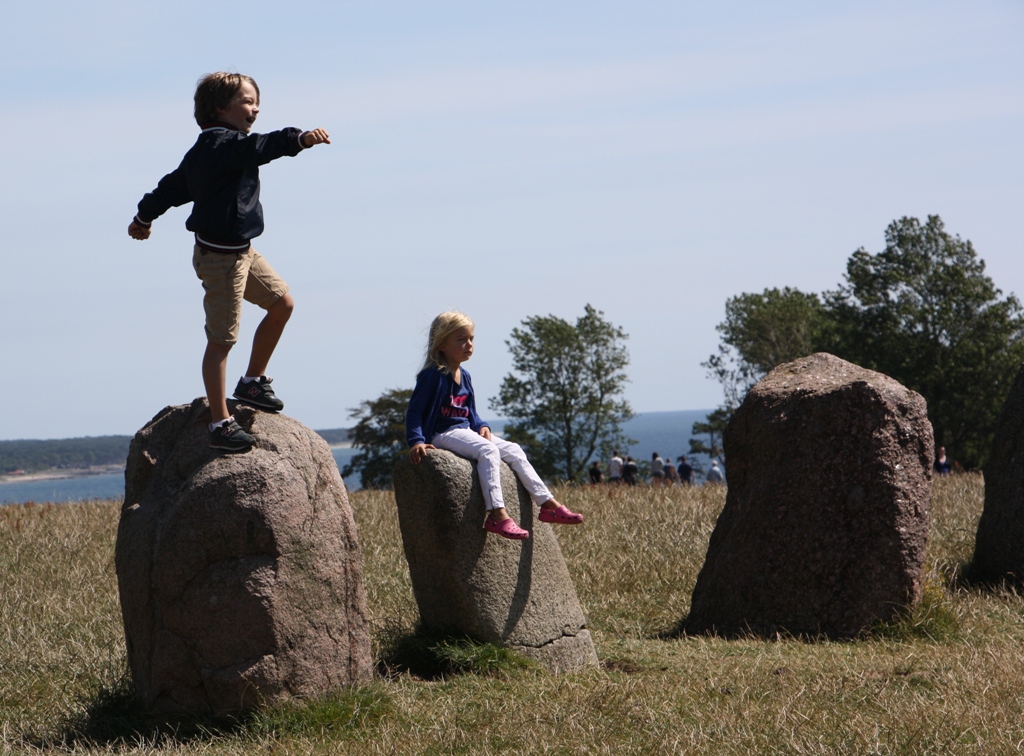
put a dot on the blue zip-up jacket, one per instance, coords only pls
(432, 386)
(221, 176)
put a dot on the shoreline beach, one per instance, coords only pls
(58, 473)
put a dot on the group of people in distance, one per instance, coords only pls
(663, 471)
(219, 175)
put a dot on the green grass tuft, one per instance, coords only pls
(432, 656)
(933, 619)
(345, 711)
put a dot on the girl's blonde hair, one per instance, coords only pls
(443, 326)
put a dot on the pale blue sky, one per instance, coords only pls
(506, 159)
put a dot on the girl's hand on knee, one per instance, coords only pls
(418, 452)
(486, 432)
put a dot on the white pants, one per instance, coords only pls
(488, 454)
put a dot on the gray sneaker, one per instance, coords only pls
(259, 394)
(230, 437)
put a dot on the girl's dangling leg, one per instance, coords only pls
(513, 455)
(472, 445)
(551, 510)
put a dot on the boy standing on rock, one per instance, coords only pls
(220, 176)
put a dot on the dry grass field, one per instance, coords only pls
(947, 680)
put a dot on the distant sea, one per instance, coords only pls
(667, 433)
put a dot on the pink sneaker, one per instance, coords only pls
(506, 529)
(560, 515)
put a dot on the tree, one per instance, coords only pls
(564, 397)
(923, 312)
(759, 332)
(379, 434)
(714, 427)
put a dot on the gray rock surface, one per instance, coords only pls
(826, 517)
(240, 576)
(466, 581)
(999, 546)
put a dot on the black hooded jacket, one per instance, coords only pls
(220, 175)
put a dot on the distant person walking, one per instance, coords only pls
(685, 472)
(715, 474)
(596, 476)
(671, 474)
(615, 467)
(657, 469)
(630, 472)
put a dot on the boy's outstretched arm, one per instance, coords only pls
(172, 191)
(316, 136)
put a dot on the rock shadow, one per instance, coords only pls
(524, 575)
(113, 717)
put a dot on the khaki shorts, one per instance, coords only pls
(228, 278)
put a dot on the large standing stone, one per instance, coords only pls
(999, 546)
(516, 593)
(240, 576)
(826, 518)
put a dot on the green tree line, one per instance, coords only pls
(33, 455)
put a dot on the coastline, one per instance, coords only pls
(56, 473)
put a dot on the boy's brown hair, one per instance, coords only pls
(214, 92)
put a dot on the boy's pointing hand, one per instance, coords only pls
(316, 136)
